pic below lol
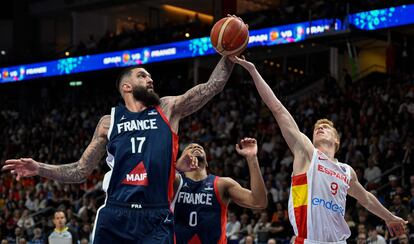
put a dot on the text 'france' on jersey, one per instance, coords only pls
(200, 216)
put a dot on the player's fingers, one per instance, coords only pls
(390, 229)
(238, 147)
(26, 160)
(234, 59)
(12, 161)
(8, 167)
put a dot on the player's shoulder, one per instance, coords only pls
(103, 125)
(226, 182)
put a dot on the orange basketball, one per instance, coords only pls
(230, 36)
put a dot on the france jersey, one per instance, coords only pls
(142, 150)
(200, 215)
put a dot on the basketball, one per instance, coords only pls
(230, 36)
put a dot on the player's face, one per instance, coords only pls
(324, 132)
(143, 87)
(141, 77)
(195, 150)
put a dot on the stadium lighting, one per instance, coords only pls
(75, 83)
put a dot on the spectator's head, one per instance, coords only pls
(136, 83)
(264, 217)
(271, 241)
(280, 214)
(244, 219)
(268, 184)
(22, 241)
(18, 231)
(396, 200)
(84, 241)
(372, 232)
(59, 219)
(362, 229)
(325, 132)
(37, 232)
(362, 238)
(232, 217)
(4, 241)
(249, 240)
(393, 180)
(403, 239)
(412, 180)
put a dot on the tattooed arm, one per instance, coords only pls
(195, 98)
(67, 173)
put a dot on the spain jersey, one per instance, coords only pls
(200, 215)
(142, 150)
(317, 201)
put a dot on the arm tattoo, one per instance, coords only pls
(198, 96)
(78, 172)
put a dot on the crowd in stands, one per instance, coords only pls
(375, 122)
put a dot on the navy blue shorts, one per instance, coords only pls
(133, 224)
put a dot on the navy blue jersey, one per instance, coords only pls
(142, 150)
(200, 215)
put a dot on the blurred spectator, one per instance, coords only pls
(262, 229)
(372, 174)
(38, 237)
(232, 228)
(398, 208)
(374, 237)
(362, 238)
(60, 234)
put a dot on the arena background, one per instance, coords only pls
(355, 69)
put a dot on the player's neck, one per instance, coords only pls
(133, 105)
(197, 175)
(327, 150)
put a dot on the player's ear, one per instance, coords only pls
(126, 87)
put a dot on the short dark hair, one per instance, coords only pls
(124, 73)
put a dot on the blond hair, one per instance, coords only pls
(330, 124)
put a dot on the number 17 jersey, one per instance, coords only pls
(142, 150)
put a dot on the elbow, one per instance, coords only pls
(261, 204)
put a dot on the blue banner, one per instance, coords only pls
(176, 50)
(383, 18)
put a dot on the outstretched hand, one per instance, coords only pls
(247, 147)
(249, 66)
(23, 167)
(396, 226)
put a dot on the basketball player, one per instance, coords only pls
(320, 183)
(201, 202)
(142, 143)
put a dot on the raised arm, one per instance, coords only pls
(299, 144)
(195, 98)
(256, 198)
(395, 224)
(67, 173)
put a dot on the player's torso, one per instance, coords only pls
(318, 199)
(141, 153)
(199, 214)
